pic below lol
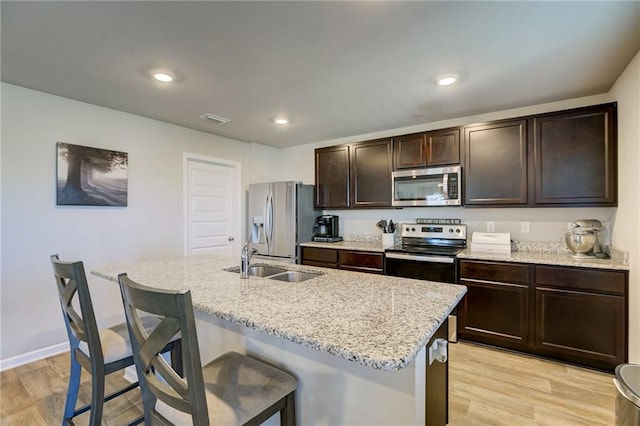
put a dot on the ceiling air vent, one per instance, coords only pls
(215, 118)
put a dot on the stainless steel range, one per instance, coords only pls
(428, 251)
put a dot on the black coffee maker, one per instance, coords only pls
(326, 229)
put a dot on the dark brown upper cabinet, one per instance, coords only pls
(356, 175)
(496, 163)
(332, 177)
(443, 147)
(371, 173)
(436, 148)
(575, 157)
(410, 151)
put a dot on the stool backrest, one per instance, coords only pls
(71, 283)
(154, 373)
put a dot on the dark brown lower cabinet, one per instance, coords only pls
(361, 261)
(353, 260)
(495, 309)
(577, 315)
(581, 327)
(581, 315)
(504, 315)
(325, 258)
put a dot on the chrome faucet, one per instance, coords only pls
(245, 259)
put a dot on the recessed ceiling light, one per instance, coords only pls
(281, 120)
(447, 80)
(163, 77)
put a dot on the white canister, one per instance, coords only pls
(388, 239)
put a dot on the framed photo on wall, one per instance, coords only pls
(89, 176)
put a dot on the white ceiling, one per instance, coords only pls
(337, 69)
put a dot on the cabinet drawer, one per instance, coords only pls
(492, 271)
(604, 281)
(361, 259)
(322, 255)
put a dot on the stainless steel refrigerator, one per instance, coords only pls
(281, 216)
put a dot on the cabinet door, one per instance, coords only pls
(496, 163)
(443, 147)
(575, 157)
(495, 309)
(371, 174)
(581, 327)
(409, 151)
(494, 313)
(332, 177)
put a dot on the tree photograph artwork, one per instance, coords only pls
(91, 176)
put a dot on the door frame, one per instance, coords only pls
(237, 202)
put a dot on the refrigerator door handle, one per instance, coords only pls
(268, 220)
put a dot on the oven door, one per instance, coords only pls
(422, 267)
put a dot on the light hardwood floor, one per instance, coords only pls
(494, 387)
(487, 387)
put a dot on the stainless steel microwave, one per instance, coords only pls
(439, 186)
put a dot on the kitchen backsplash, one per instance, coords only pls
(546, 224)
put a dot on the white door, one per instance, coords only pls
(212, 206)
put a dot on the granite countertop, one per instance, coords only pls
(542, 253)
(373, 246)
(559, 258)
(374, 320)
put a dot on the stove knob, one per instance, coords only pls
(413, 229)
(457, 231)
(450, 229)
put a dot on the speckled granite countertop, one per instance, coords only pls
(378, 321)
(374, 246)
(541, 258)
(544, 253)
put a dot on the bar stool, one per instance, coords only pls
(233, 389)
(99, 351)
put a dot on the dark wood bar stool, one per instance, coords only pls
(99, 351)
(233, 389)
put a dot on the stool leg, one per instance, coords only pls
(288, 413)
(97, 397)
(72, 391)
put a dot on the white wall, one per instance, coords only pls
(626, 233)
(34, 228)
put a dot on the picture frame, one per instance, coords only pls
(88, 176)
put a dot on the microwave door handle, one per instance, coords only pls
(445, 186)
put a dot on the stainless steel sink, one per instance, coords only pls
(294, 276)
(259, 270)
(279, 274)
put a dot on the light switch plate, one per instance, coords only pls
(525, 227)
(491, 227)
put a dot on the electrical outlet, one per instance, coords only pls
(491, 227)
(525, 227)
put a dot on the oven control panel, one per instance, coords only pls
(421, 230)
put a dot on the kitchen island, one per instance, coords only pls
(356, 342)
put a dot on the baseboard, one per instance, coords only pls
(16, 361)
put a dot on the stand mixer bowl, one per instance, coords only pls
(580, 243)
